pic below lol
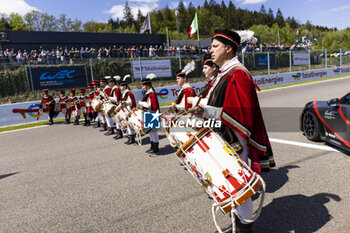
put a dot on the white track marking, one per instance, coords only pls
(302, 144)
(16, 130)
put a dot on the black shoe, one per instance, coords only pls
(118, 136)
(151, 148)
(131, 140)
(155, 148)
(104, 128)
(98, 125)
(110, 132)
(243, 228)
(67, 122)
(50, 122)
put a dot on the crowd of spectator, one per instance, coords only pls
(65, 55)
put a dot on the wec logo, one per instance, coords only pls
(60, 75)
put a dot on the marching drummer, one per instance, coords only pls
(83, 99)
(128, 100)
(233, 100)
(63, 105)
(149, 102)
(96, 84)
(49, 101)
(210, 70)
(89, 110)
(73, 110)
(105, 91)
(114, 97)
(185, 92)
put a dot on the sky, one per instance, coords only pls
(330, 13)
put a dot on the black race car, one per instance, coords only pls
(328, 121)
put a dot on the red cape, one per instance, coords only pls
(241, 112)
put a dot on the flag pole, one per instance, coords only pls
(149, 21)
(199, 45)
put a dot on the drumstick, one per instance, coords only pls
(198, 101)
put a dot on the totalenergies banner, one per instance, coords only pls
(56, 77)
(300, 76)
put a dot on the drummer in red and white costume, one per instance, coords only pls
(49, 103)
(104, 94)
(128, 100)
(150, 103)
(63, 105)
(72, 111)
(186, 91)
(96, 85)
(83, 99)
(210, 70)
(89, 110)
(114, 97)
(233, 100)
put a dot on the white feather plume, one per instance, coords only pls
(117, 78)
(189, 68)
(107, 77)
(151, 76)
(247, 37)
(126, 77)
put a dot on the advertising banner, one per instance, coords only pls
(56, 77)
(300, 76)
(260, 60)
(300, 59)
(161, 68)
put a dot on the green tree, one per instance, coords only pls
(128, 17)
(279, 18)
(4, 23)
(16, 22)
(64, 23)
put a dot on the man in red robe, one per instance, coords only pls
(233, 100)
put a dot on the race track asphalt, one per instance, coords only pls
(65, 178)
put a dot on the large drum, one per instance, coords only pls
(214, 164)
(109, 108)
(96, 104)
(122, 116)
(135, 120)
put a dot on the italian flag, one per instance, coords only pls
(194, 26)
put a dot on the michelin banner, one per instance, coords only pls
(169, 93)
(161, 68)
(300, 59)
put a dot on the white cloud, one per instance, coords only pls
(340, 8)
(247, 2)
(117, 11)
(15, 6)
